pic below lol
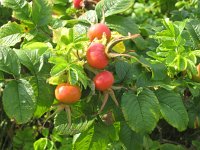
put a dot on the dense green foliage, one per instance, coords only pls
(43, 43)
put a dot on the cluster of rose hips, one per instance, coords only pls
(96, 58)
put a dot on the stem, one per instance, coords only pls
(119, 87)
(57, 111)
(117, 40)
(169, 141)
(68, 110)
(112, 55)
(105, 99)
(112, 94)
(86, 66)
(103, 15)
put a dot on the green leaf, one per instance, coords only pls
(72, 76)
(1, 76)
(62, 127)
(19, 101)
(126, 71)
(141, 111)
(21, 8)
(89, 16)
(11, 34)
(9, 61)
(97, 137)
(196, 53)
(55, 80)
(43, 143)
(196, 144)
(61, 65)
(24, 139)
(31, 59)
(41, 46)
(174, 28)
(159, 71)
(59, 69)
(181, 62)
(123, 25)
(131, 139)
(84, 140)
(172, 109)
(112, 7)
(193, 26)
(44, 94)
(80, 74)
(41, 12)
(171, 147)
(148, 143)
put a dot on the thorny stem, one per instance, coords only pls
(105, 99)
(68, 110)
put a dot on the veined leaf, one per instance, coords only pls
(59, 69)
(81, 76)
(131, 139)
(31, 59)
(24, 138)
(159, 71)
(1, 76)
(41, 12)
(19, 101)
(172, 109)
(44, 94)
(89, 16)
(98, 136)
(43, 143)
(84, 140)
(126, 71)
(9, 61)
(171, 146)
(112, 7)
(21, 8)
(123, 25)
(75, 128)
(181, 62)
(10, 34)
(141, 111)
(72, 76)
(193, 27)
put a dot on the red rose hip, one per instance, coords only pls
(67, 93)
(103, 81)
(96, 56)
(97, 30)
(77, 3)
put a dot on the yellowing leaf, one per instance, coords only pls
(119, 47)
